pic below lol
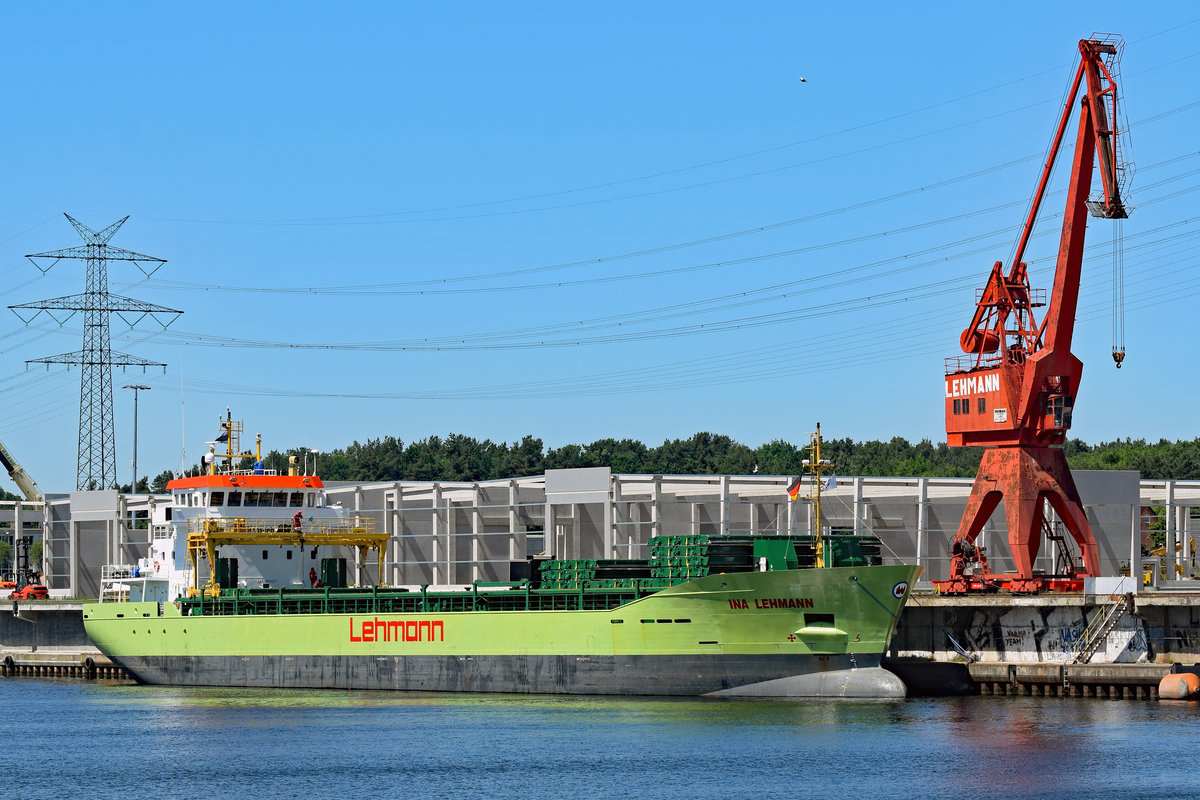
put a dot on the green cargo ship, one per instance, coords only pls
(770, 616)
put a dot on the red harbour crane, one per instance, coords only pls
(1014, 391)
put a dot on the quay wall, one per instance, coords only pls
(1158, 627)
(33, 625)
(46, 639)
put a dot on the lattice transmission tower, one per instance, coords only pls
(97, 462)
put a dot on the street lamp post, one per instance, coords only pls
(136, 388)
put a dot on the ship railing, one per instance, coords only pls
(217, 531)
(320, 525)
(514, 596)
(273, 472)
(114, 572)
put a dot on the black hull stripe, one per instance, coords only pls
(679, 675)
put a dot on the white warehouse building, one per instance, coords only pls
(445, 533)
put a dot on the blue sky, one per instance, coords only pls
(572, 220)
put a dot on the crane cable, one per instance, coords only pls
(1118, 254)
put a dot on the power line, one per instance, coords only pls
(858, 346)
(865, 353)
(396, 287)
(524, 338)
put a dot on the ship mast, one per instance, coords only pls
(815, 466)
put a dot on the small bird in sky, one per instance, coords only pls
(803, 79)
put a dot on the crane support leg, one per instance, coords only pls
(1024, 477)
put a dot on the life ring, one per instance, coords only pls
(156, 566)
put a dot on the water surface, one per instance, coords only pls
(98, 740)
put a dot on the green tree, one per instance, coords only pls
(423, 460)
(778, 457)
(462, 458)
(160, 481)
(622, 455)
(569, 456)
(467, 459)
(522, 458)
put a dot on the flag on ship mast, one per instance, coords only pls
(793, 489)
(832, 482)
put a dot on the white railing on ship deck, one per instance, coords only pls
(114, 572)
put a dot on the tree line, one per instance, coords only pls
(464, 458)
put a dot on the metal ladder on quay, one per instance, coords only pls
(1098, 629)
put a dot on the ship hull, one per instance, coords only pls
(685, 675)
(797, 633)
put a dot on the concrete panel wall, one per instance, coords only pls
(93, 545)
(589, 528)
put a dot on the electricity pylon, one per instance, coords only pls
(97, 463)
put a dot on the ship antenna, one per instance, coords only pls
(182, 427)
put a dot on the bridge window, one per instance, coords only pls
(235, 499)
(251, 499)
(217, 499)
(296, 500)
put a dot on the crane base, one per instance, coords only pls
(1014, 584)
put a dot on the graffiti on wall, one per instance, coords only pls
(1034, 634)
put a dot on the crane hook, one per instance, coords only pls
(1118, 356)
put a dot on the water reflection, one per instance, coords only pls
(709, 711)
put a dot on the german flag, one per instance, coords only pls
(794, 489)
